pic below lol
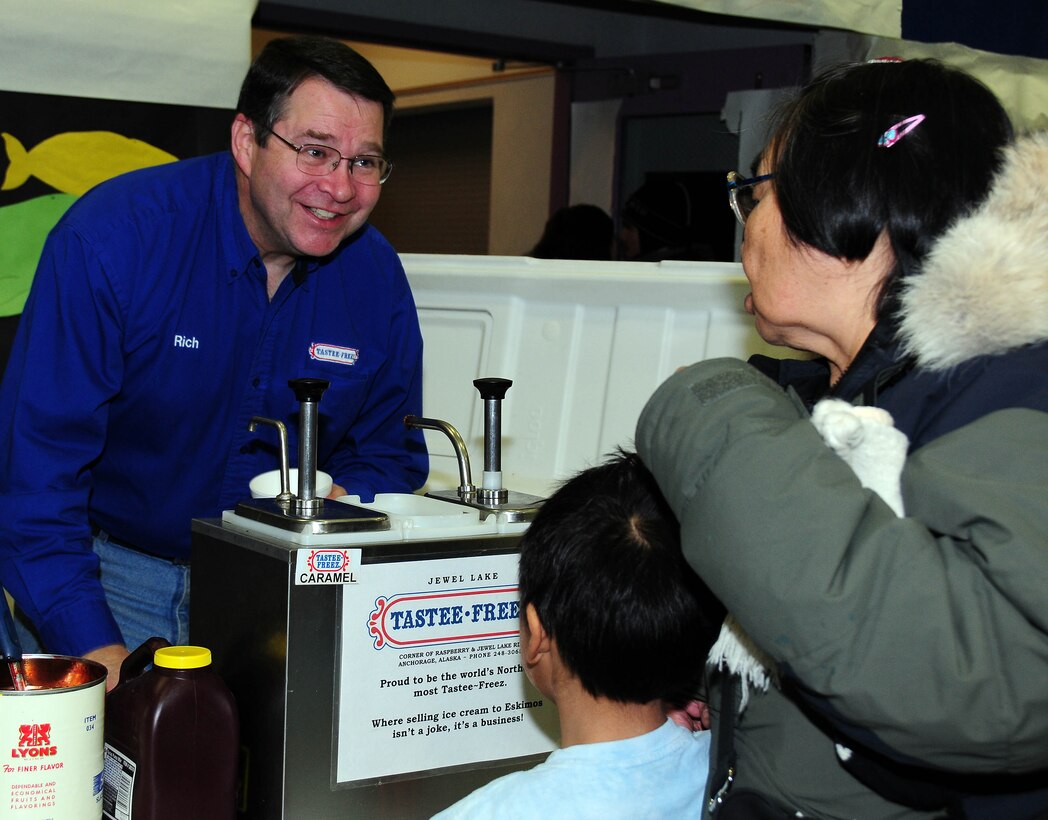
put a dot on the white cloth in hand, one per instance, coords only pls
(867, 440)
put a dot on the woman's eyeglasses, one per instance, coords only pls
(740, 194)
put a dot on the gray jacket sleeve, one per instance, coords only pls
(929, 631)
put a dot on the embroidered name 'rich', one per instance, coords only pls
(333, 353)
(186, 341)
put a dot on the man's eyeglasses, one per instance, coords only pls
(740, 194)
(321, 160)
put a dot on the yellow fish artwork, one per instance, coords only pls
(76, 161)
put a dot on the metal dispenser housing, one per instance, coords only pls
(337, 720)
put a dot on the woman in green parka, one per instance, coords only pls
(897, 231)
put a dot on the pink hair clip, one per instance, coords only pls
(899, 130)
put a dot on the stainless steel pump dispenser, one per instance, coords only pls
(491, 497)
(305, 512)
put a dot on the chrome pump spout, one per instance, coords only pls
(285, 495)
(466, 487)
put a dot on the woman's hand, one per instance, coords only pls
(693, 716)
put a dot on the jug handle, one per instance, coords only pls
(135, 663)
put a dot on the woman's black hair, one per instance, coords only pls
(838, 190)
(283, 65)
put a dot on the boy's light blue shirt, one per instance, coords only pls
(661, 774)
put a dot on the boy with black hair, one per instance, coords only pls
(615, 627)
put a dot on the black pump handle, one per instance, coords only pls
(492, 388)
(309, 389)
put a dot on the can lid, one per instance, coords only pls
(182, 657)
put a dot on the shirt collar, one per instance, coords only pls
(237, 247)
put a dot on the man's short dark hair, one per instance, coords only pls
(602, 565)
(283, 65)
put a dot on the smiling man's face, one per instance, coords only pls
(288, 212)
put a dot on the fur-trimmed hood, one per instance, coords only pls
(984, 286)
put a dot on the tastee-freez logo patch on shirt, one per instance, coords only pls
(333, 353)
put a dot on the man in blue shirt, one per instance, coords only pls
(173, 304)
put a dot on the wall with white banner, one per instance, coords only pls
(185, 52)
(89, 90)
(883, 17)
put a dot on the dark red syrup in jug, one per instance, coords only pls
(171, 738)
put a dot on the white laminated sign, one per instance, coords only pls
(430, 671)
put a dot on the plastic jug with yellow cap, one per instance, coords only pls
(171, 738)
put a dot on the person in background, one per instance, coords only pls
(170, 307)
(614, 627)
(658, 222)
(576, 232)
(898, 231)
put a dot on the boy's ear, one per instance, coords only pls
(538, 640)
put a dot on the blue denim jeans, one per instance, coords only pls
(148, 596)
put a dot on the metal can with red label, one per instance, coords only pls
(51, 739)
